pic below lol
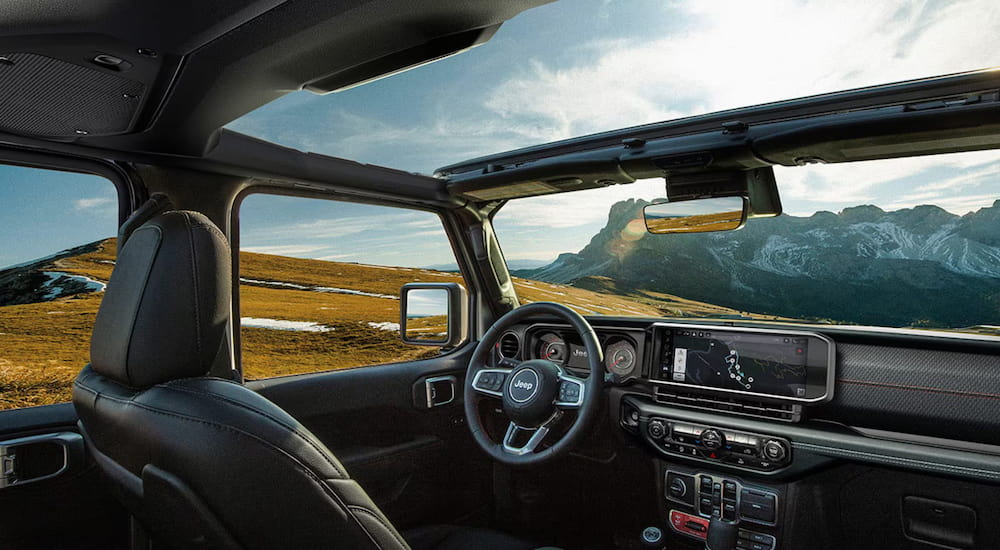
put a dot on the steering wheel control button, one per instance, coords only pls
(657, 429)
(569, 393)
(491, 381)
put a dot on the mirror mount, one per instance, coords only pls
(428, 308)
(757, 185)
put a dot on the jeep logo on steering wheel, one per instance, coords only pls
(523, 386)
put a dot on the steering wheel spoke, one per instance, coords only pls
(490, 382)
(571, 391)
(534, 440)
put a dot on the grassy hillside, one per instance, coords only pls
(334, 315)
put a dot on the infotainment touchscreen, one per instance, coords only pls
(788, 365)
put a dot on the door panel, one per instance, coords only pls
(375, 420)
(70, 510)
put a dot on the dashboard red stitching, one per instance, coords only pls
(921, 389)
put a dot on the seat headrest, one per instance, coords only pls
(165, 309)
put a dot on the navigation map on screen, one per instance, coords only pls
(759, 363)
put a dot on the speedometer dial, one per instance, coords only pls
(552, 347)
(620, 357)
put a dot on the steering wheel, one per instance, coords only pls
(534, 393)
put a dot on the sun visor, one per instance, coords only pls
(544, 177)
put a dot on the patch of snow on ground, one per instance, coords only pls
(388, 325)
(54, 291)
(282, 324)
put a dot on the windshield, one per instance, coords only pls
(576, 67)
(911, 242)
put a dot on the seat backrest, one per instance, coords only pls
(203, 462)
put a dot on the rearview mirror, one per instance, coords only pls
(696, 216)
(433, 314)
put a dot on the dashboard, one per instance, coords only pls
(772, 401)
(734, 417)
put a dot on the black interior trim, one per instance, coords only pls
(832, 441)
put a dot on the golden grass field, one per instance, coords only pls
(43, 345)
(723, 221)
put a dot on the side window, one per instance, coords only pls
(320, 282)
(57, 250)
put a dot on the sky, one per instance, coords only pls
(582, 66)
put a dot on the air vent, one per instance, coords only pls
(786, 412)
(510, 345)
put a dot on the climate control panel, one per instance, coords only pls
(722, 445)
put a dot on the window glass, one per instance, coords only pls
(629, 63)
(57, 250)
(908, 243)
(320, 282)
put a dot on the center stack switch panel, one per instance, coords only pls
(705, 496)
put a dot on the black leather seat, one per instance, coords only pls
(204, 462)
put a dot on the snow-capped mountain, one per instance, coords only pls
(915, 267)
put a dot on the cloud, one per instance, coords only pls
(741, 53)
(95, 203)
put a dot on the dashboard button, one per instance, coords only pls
(775, 449)
(656, 429)
(712, 439)
(729, 490)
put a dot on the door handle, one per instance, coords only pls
(440, 390)
(38, 457)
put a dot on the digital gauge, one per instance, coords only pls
(552, 347)
(619, 357)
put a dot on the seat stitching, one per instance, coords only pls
(361, 509)
(293, 429)
(264, 443)
(194, 282)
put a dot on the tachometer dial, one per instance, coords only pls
(620, 357)
(552, 347)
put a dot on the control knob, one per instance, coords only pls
(678, 488)
(657, 429)
(775, 449)
(712, 439)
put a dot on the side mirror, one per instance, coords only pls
(434, 314)
(696, 216)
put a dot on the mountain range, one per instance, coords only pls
(922, 266)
